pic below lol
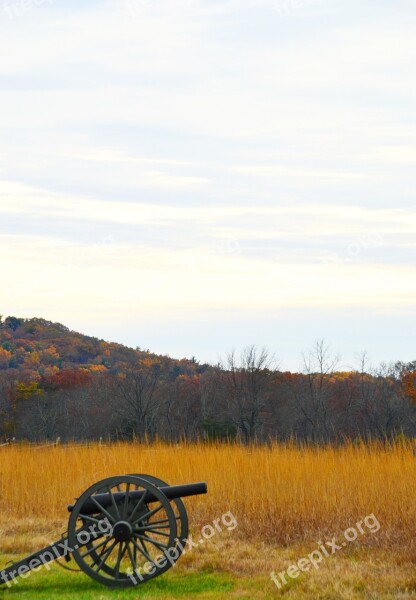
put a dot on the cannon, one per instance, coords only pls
(122, 531)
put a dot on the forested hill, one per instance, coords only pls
(58, 383)
(36, 349)
(55, 382)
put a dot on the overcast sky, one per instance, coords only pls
(198, 175)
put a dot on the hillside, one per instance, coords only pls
(36, 348)
(55, 382)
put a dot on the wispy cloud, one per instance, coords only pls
(255, 222)
(207, 155)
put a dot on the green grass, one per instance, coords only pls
(240, 571)
(64, 585)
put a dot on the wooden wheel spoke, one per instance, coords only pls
(103, 543)
(121, 553)
(153, 525)
(159, 521)
(103, 549)
(152, 541)
(142, 549)
(88, 518)
(150, 513)
(105, 555)
(136, 508)
(102, 509)
(154, 530)
(132, 557)
(114, 503)
(135, 550)
(126, 500)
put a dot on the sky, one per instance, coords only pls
(196, 176)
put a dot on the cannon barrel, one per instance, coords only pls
(171, 492)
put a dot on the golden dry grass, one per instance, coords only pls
(279, 494)
(285, 499)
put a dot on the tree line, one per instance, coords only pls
(79, 388)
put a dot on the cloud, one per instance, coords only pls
(143, 278)
(251, 221)
(158, 157)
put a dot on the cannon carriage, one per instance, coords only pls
(122, 531)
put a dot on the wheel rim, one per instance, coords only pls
(114, 543)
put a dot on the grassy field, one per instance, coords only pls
(286, 501)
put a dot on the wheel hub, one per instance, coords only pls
(122, 531)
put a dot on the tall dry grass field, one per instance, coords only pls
(279, 494)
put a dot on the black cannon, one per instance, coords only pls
(122, 531)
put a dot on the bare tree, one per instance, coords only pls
(382, 409)
(247, 381)
(312, 393)
(181, 408)
(139, 398)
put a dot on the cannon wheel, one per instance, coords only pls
(137, 533)
(182, 527)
